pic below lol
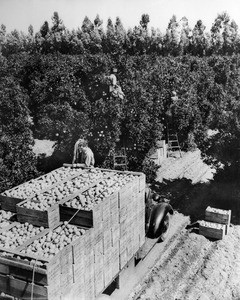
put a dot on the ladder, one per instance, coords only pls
(120, 159)
(173, 144)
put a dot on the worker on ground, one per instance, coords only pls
(83, 154)
(158, 152)
(114, 89)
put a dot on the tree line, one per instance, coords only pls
(91, 37)
(62, 96)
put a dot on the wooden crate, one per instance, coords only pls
(66, 265)
(78, 217)
(81, 262)
(106, 222)
(123, 243)
(89, 241)
(114, 220)
(78, 273)
(142, 182)
(212, 230)
(115, 259)
(75, 292)
(123, 213)
(107, 267)
(114, 203)
(22, 270)
(23, 290)
(136, 242)
(123, 259)
(115, 234)
(46, 284)
(58, 273)
(107, 242)
(89, 290)
(216, 215)
(78, 250)
(99, 275)
(48, 218)
(9, 203)
(89, 276)
(123, 228)
(141, 178)
(141, 200)
(25, 242)
(125, 194)
(81, 217)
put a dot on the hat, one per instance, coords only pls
(81, 142)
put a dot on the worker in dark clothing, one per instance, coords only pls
(83, 154)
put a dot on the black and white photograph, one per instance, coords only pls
(119, 150)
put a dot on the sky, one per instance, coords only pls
(19, 14)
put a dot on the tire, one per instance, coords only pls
(165, 227)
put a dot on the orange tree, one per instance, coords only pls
(17, 161)
(68, 98)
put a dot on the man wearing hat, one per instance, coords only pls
(82, 154)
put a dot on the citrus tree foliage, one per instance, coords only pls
(224, 145)
(17, 161)
(58, 77)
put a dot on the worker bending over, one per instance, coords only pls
(83, 154)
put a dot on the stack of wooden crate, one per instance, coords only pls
(25, 274)
(114, 232)
(216, 224)
(118, 229)
(26, 190)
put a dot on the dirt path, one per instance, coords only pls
(195, 268)
(190, 166)
(132, 278)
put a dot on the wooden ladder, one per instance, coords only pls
(120, 159)
(173, 144)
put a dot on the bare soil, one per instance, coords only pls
(192, 266)
(196, 268)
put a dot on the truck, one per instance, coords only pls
(74, 230)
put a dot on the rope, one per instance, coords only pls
(33, 275)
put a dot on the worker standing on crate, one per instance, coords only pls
(83, 154)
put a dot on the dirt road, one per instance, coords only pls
(133, 277)
(195, 268)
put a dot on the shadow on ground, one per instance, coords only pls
(192, 199)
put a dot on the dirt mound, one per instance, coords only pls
(195, 268)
